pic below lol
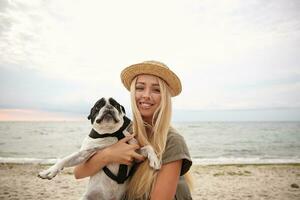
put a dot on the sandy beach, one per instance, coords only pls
(226, 182)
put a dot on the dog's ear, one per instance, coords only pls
(90, 116)
(123, 109)
(99, 104)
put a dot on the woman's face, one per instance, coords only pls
(147, 96)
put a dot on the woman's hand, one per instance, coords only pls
(121, 152)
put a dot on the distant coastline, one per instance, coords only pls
(220, 161)
(179, 115)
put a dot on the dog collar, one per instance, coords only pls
(119, 133)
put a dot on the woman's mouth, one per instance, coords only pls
(145, 105)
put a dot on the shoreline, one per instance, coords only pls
(202, 162)
(226, 182)
(194, 164)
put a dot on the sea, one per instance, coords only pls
(209, 143)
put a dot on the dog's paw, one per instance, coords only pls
(154, 163)
(148, 152)
(49, 173)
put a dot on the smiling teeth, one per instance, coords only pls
(146, 105)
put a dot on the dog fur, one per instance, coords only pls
(107, 117)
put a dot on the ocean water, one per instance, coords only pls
(208, 142)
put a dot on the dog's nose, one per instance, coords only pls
(109, 107)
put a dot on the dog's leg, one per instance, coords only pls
(148, 152)
(69, 161)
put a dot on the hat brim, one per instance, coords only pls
(129, 73)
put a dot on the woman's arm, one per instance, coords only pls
(166, 182)
(121, 152)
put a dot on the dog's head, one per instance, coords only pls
(107, 115)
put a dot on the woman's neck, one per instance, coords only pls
(148, 121)
(148, 127)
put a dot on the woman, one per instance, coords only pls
(152, 84)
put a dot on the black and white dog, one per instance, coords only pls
(109, 125)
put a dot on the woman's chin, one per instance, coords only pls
(147, 116)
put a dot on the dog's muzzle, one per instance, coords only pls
(107, 115)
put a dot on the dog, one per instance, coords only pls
(109, 124)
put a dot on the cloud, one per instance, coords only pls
(31, 89)
(64, 55)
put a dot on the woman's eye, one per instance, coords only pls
(157, 90)
(139, 88)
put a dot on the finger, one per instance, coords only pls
(133, 134)
(128, 161)
(135, 146)
(138, 157)
(126, 138)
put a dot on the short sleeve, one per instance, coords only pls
(176, 149)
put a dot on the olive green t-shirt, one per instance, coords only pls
(176, 149)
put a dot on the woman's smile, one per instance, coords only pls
(145, 105)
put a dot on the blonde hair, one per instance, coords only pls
(142, 182)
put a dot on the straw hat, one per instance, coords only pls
(153, 68)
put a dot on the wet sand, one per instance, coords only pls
(226, 182)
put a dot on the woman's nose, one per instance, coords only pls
(146, 94)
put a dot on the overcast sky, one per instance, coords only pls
(60, 56)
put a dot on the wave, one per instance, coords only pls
(27, 160)
(196, 161)
(228, 161)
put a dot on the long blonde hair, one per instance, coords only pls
(142, 182)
